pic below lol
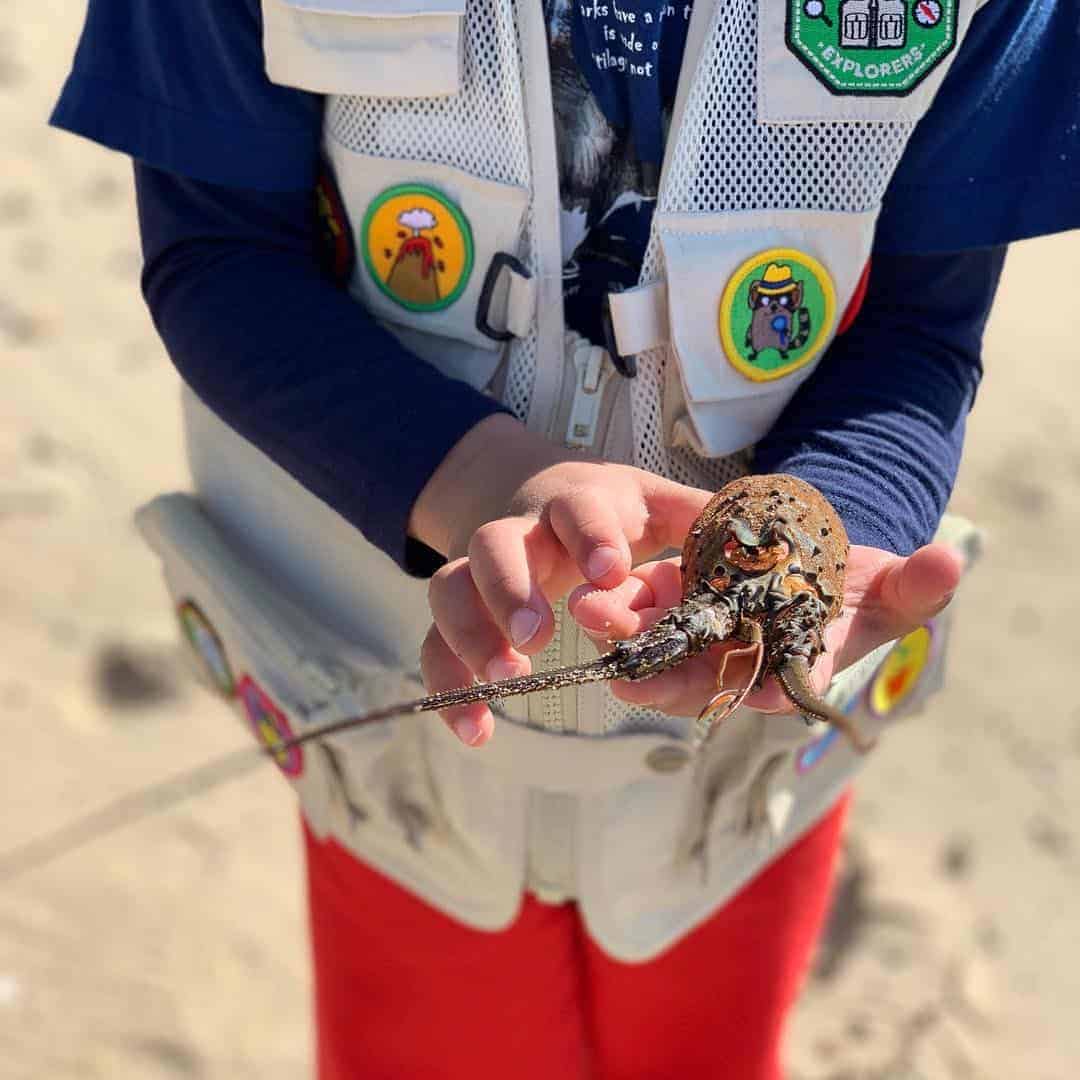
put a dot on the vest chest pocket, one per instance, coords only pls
(753, 300)
(855, 60)
(437, 258)
(385, 48)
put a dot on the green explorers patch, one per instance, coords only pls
(776, 313)
(871, 47)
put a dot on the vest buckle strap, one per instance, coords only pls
(509, 294)
(635, 321)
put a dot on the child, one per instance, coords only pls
(443, 382)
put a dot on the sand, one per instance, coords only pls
(175, 948)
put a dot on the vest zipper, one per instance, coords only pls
(593, 370)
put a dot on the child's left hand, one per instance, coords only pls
(885, 597)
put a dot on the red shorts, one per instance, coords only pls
(404, 991)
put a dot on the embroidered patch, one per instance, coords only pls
(776, 313)
(204, 641)
(876, 47)
(418, 247)
(336, 250)
(270, 725)
(900, 671)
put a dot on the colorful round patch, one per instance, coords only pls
(204, 640)
(418, 247)
(899, 673)
(776, 313)
(871, 47)
(270, 726)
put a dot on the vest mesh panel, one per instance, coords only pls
(481, 130)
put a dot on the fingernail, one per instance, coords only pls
(499, 669)
(523, 626)
(942, 604)
(468, 730)
(600, 562)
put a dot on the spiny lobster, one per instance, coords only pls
(763, 565)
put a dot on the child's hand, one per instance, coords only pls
(513, 551)
(885, 597)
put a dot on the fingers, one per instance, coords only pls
(632, 606)
(491, 608)
(442, 670)
(897, 595)
(915, 589)
(508, 561)
(468, 628)
(672, 510)
(590, 530)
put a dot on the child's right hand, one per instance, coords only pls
(522, 522)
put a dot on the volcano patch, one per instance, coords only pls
(418, 247)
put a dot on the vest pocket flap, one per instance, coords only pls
(429, 238)
(754, 299)
(371, 47)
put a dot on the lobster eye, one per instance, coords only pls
(756, 558)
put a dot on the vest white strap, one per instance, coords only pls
(520, 304)
(507, 303)
(639, 318)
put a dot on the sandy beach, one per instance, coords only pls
(175, 948)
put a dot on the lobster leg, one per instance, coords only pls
(739, 671)
(793, 674)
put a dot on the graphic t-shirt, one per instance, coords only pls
(615, 69)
